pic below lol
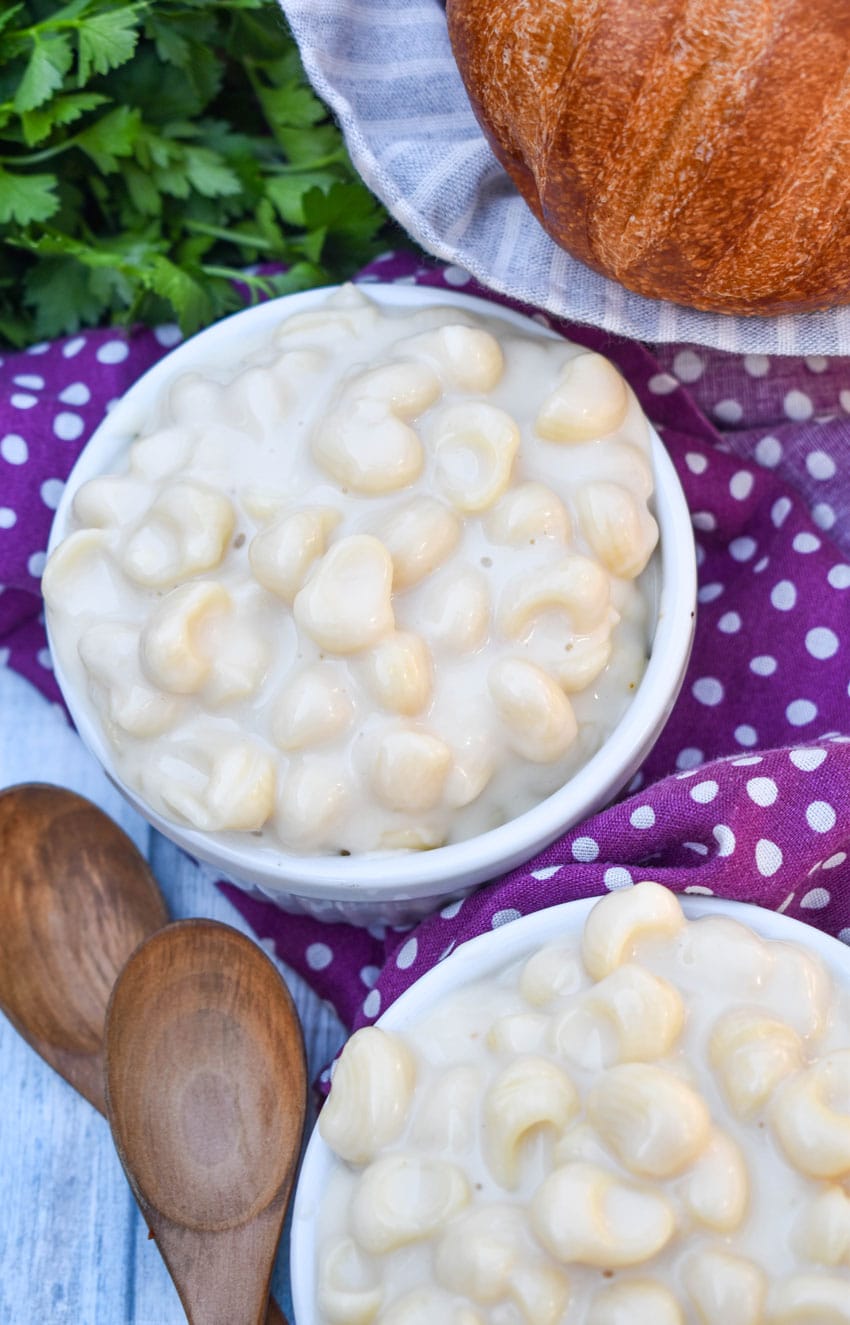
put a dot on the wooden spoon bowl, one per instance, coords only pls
(76, 898)
(206, 1096)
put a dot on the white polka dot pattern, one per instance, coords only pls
(319, 955)
(585, 848)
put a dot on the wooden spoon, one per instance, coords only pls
(206, 1096)
(76, 899)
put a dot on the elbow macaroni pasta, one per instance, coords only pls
(810, 1117)
(401, 1198)
(479, 1254)
(538, 718)
(527, 512)
(282, 554)
(419, 537)
(399, 672)
(636, 1302)
(805, 1299)
(311, 797)
(620, 531)
(475, 446)
(632, 1012)
(590, 400)
(518, 1033)
(466, 357)
(576, 585)
(551, 971)
(183, 533)
(173, 646)
(312, 710)
(822, 1231)
(349, 1289)
(424, 1306)
(345, 606)
(366, 443)
(540, 1292)
(374, 1089)
(618, 923)
(446, 1118)
(751, 1054)
(725, 1289)
(654, 1122)
(221, 785)
(529, 1094)
(111, 501)
(110, 655)
(716, 1189)
(582, 1213)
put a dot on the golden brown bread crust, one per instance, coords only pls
(693, 150)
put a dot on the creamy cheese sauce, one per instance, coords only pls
(385, 583)
(649, 1126)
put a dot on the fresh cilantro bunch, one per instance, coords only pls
(150, 152)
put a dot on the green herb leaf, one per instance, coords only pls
(58, 290)
(345, 209)
(9, 14)
(293, 106)
(171, 46)
(111, 137)
(309, 147)
(209, 174)
(107, 40)
(27, 198)
(145, 191)
(185, 293)
(287, 192)
(51, 58)
(62, 110)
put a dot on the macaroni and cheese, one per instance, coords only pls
(647, 1126)
(384, 583)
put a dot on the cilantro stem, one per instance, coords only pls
(300, 168)
(233, 236)
(35, 158)
(250, 279)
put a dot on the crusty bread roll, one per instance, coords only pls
(693, 150)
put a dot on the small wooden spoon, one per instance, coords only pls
(76, 898)
(206, 1096)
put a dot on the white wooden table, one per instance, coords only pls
(73, 1247)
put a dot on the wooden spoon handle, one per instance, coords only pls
(274, 1315)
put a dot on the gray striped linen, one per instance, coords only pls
(385, 68)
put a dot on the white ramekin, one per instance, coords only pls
(396, 887)
(475, 960)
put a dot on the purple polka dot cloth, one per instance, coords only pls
(747, 792)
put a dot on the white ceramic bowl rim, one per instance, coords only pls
(476, 959)
(407, 875)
